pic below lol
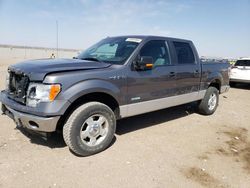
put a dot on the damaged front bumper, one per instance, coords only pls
(32, 122)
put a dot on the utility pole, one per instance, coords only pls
(25, 53)
(56, 38)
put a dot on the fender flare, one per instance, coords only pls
(91, 86)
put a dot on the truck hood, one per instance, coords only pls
(36, 70)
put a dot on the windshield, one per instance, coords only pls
(111, 50)
(242, 63)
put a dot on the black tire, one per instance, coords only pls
(74, 126)
(204, 107)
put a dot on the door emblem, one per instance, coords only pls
(135, 98)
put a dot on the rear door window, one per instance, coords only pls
(184, 53)
(244, 63)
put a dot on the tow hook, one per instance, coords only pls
(18, 123)
(3, 109)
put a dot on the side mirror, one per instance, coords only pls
(144, 63)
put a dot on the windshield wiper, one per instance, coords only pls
(90, 59)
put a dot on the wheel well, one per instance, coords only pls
(216, 83)
(104, 98)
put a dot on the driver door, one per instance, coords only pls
(147, 86)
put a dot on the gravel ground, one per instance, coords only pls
(175, 147)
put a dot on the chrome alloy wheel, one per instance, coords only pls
(212, 101)
(94, 130)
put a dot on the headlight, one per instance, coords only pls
(41, 93)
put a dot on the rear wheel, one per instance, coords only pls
(209, 103)
(90, 129)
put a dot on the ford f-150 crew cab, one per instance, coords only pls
(116, 78)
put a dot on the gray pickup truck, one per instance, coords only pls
(116, 78)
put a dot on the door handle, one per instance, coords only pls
(171, 74)
(196, 73)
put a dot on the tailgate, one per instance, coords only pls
(240, 72)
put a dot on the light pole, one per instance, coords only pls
(56, 38)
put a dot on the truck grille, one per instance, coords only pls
(18, 85)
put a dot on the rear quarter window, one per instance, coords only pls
(184, 53)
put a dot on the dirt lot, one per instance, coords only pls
(175, 147)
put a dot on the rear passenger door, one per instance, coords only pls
(188, 68)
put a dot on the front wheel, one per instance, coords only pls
(210, 102)
(90, 129)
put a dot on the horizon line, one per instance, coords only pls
(37, 47)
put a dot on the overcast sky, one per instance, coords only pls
(217, 27)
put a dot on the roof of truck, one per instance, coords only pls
(152, 37)
(245, 58)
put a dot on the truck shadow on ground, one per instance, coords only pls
(131, 124)
(241, 86)
(124, 126)
(53, 140)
